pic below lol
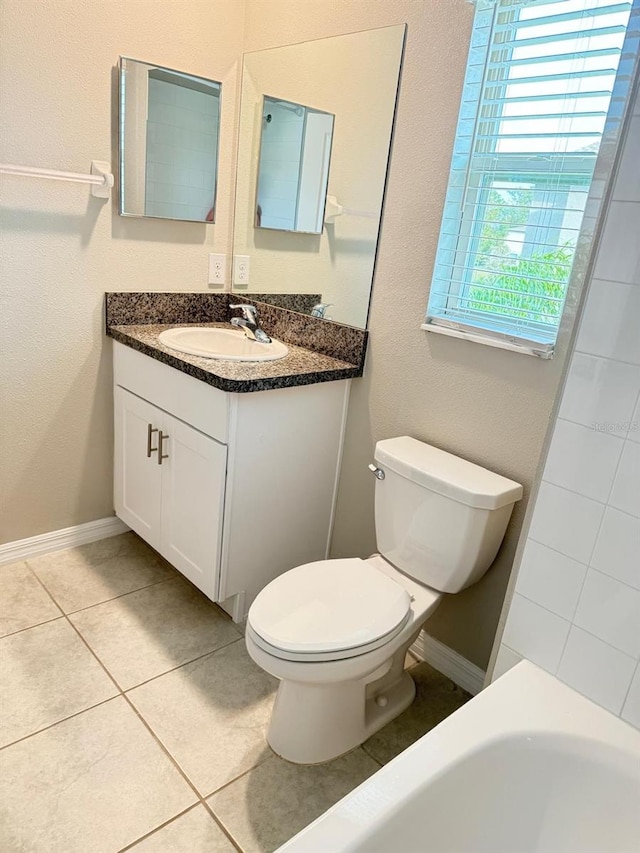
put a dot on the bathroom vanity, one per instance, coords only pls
(232, 488)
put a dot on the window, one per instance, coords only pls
(537, 91)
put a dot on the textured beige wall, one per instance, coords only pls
(61, 249)
(485, 404)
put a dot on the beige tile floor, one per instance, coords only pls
(131, 717)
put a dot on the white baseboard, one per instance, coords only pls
(460, 670)
(56, 540)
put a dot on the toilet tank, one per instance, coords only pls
(439, 518)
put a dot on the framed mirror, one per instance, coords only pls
(168, 138)
(352, 79)
(293, 166)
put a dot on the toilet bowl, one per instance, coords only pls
(332, 699)
(336, 632)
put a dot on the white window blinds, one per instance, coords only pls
(536, 95)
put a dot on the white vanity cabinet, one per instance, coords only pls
(170, 486)
(246, 484)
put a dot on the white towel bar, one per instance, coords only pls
(101, 178)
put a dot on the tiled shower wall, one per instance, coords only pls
(281, 149)
(182, 143)
(576, 607)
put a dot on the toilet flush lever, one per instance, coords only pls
(378, 472)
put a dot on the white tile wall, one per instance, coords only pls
(572, 444)
(610, 610)
(536, 633)
(551, 579)
(182, 147)
(615, 262)
(600, 392)
(616, 551)
(576, 607)
(566, 522)
(597, 670)
(280, 152)
(625, 494)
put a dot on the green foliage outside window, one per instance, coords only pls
(535, 281)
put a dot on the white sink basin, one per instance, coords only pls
(224, 344)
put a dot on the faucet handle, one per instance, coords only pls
(249, 312)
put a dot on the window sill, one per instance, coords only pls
(487, 340)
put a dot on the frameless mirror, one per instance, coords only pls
(353, 78)
(293, 168)
(168, 135)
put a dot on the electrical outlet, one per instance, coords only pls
(217, 269)
(241, 269)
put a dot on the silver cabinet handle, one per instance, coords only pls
(150, 431)
(377, 472)
(161, 437)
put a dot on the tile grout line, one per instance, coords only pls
(608, 357)
(158, 828)
(221, 826)
(372, 757)
(590, 429)
(628, 690)
(180, 665)
(40, 584)
(174, 761)
(613, 578)
(93, 654)
(116, 597)
(270, 754)
(120, 691)
(57, 722)
(571, 625)
(574, 492)
(66, 616)
(80, 609)
(589, 568)
(123, 694)
(29, 627)
(587, 497)
(162, 747)
(85, 643)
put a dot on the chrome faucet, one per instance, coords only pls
(320, 310)
(250, 323)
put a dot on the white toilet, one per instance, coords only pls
(336, 632)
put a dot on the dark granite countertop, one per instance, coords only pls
(300, 367)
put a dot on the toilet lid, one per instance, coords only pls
(329, 606)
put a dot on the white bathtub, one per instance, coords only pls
(527, 765)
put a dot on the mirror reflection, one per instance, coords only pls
(169, 129)
(295, 150)
(353, 78)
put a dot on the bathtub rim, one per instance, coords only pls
(524, 702)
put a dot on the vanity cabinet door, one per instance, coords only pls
(193, 483)
(138, 477)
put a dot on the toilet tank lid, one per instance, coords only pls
(446, 474)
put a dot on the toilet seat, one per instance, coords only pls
(328, 610)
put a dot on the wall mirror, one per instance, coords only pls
(168, 137)
(293, 166)
(354, 79)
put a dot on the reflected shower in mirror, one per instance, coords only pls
(329, 269)
(295, 149)
(169, 129)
